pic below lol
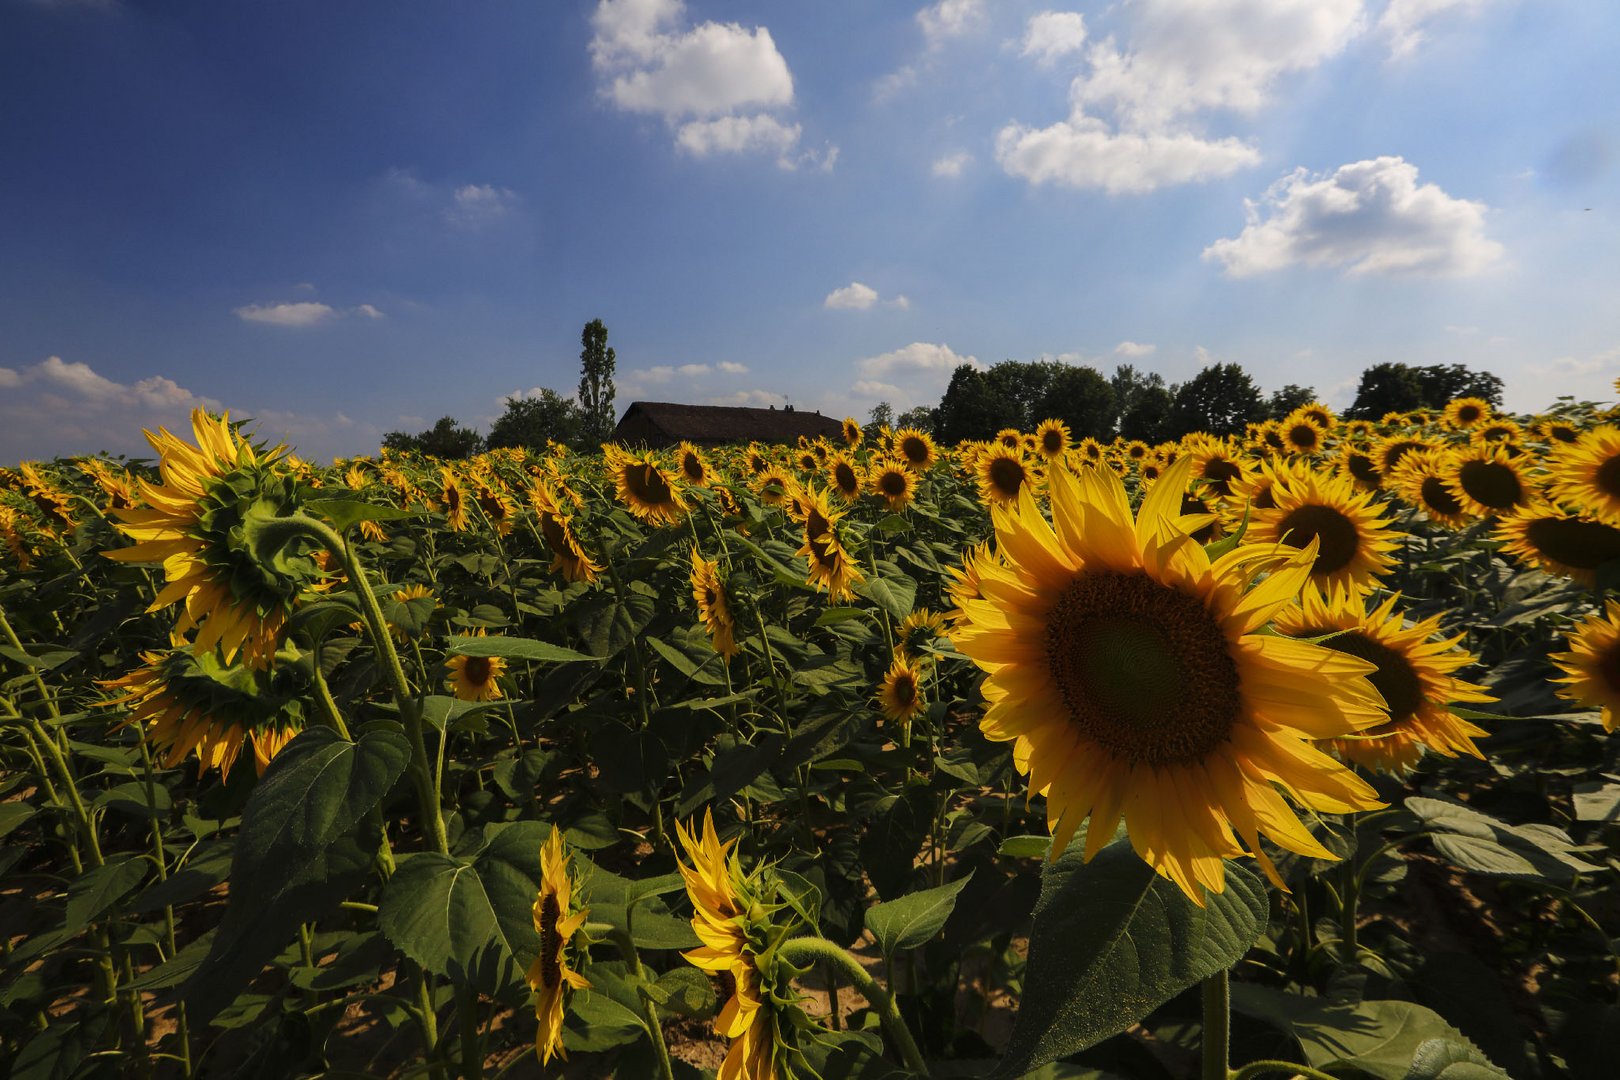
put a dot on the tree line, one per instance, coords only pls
(1221, 399)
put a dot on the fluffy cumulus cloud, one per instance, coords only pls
(717, 85)
(1052, 35)
(475, 206)
(301, 313)
(953, 164)
(1369, 217)
(1404, 22)
(638, 382)
(66, 407)
(1139, 110)
(913, 374)
(859, 297)
(1134, 350)
(950, 19)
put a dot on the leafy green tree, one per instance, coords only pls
(1128, 384)
(1219, 400)
(1022, 384)
(974, 407)
(1443, 382)
(1284, 401)
(882, 413)
(529, 422)
(920, 417)
(596, 360)
(1081, 398)
(1385, 388)
(445, 439)
(1149, 415)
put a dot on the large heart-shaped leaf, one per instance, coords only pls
(913, 919)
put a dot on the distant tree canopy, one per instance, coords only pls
(882, 413)
(920, 417)
(1394, 387)
(1284, 401)
(974, 408)
(1148, 418)
(596, 363)
(1081, 398)
(445, 439)
(1018, 394)
(529, 422)
(1220, 400)
(1129, 385)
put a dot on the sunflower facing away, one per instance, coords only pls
(1586, 474)
(195, 525)
(1559, 543)
(712, 605)
(473, 678)
(900, 693)
(1592, 664)
(729, 916)
(1350, 535)
(556, 921)
(1415, 676)
(185, 704)
(650, 494)
(1128, 671)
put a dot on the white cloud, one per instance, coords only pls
(1136, 111)
(1369, 217)
(1404, 21)
(302, 313)
(1053, 34)
(474, 206)
(67, 407)
(950, 19)
(739, 135)
(852, 297)
(715, 84)
(953, 164)
(918, 356)
(369, 312)
(1083, 153)
(874, 389)
(731, 367)
(9, 377)
(755, 399)
(1134, 349)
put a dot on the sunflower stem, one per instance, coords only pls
(805, 951)
(1217, 993)
(1256, 1068)
(649, 1011)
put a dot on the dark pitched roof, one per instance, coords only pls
(715, 424)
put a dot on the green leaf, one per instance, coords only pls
(891, 590)
(1594, 801)
(445, 911)
(99, 888)
(1443, 1059)
(1025, 847)
(342, 513)
(513, 648)
(13, 814)
(1480, 843)
(298, 853)
(686, 991)
(913, 919)
(1112, 941)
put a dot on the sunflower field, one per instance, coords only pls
(1284, 755)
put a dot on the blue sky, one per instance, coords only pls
(342, 219)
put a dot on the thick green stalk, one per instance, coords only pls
(804, 951)
(1217, 1026)
(649, 1011)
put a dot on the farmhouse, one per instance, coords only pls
(661, 423)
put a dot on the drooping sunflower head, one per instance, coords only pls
(1415, 676)
(894, 483)
(1586, 474)
(116, 483)
(1419, 479)
(14, 538)
(568, 555)
(1003, 473)
(831, 566)
(1302, 435)
(204, 524)
(1557, 542)
(188, 704)
(1128, 670)
(900, 695)
(709, 592)
(455, 500)
(1052, 439)
(475, 678)
(51, 500)
(557, 918)
(694, 468)
(1486, 481)
(647, 491)
(964, 581)
(844, 473)
(916, 448)
(1349, 534)
(1592, 665)
(921, 627)
(851, 431)
(1465, 412)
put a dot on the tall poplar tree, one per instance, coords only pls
(596, 383)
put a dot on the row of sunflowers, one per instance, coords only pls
(1275, 753)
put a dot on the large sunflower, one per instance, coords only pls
(729, 916)
(712, 605)
(198, 524)
(1419, 479)
(1002, 474)
(1129, 672)
(850, 429)
(845, 475)
(1586, 474)
(694, 467)
(1466, 412)
(186, 704)
(1592, 664)
(473, 678)
(1560, 543)
(568, 555)
(916, 448)
(1415, 677)
(1349, 535)
(1052, 439)
(1216, 465)
(556, 920)
(830, 563)
(1360, 464)
(1302, 435)
(646, 490)
(894, 483)
(1487, 482)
